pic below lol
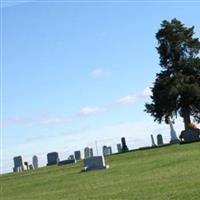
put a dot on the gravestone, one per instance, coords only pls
(159, 140)
(71, 157)
(190, 135)
(124, 146)
(52, 158)
(95, 162)
(107, 150)
(88, 152)
(18, 164)
(119, 148)
(153, 144)
(35, 162)
(77, 155)
(174, 139)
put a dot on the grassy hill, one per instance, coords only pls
(171, 172)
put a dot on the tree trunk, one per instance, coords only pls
(186, 118)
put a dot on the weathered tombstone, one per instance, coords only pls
(18, 164)
(152, 141)
(190, 135)
(159, 140)
(35, 162)
(95, 162)
(71, 157)
(77, 155)
(52, 158)
(107, 150)
(174, 139)
(119, 148)
(124, 146)
(88, 152)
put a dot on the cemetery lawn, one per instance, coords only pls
(167, 173)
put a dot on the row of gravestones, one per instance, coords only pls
(53, 158)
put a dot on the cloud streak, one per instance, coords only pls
(135, 98)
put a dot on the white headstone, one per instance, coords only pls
(174, 139)
(96, 162)
(35, 162)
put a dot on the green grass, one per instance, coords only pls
(171, 172)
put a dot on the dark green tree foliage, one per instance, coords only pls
(177, 87)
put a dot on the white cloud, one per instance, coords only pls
(87, 110)
(98, 72)
(134, 98)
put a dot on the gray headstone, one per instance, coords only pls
(77, 155)
(52, 158)
(124, 146)
(88, 152)
(119, 148)
(107, 150)
(18, 164)
(96, 162)
(71, 157)
(153, 144)
(159, 140)
(190, 135)
(35, 162)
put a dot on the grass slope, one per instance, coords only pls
(171, 172)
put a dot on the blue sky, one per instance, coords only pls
(78, 72)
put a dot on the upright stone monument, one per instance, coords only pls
(88, 152)
(190, 135)
(18, 164)
(78, 155)
(52, 158)
(35, 162)
(107, 150)
(124, 146)
(153, 144)
(119, 148)
(159, 140)
(71, 157)
(174, 139)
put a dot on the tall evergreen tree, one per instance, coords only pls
(176, 89)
